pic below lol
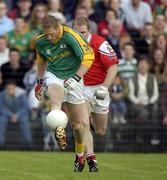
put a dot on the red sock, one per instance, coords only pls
(90, 156)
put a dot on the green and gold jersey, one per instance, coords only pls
(66, 55)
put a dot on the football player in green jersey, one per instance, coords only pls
(63, 58)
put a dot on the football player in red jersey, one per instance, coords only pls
(97, 80)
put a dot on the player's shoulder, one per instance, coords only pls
(39, 38)
(97, 39)
(69, 32)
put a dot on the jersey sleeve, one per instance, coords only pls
(82, 50)
(38, 48)
(40, 60)
(107, 54)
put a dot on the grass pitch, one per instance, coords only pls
(59, 166)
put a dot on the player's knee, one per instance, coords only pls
(76, 126)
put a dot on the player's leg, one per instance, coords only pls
(55, 92)
(99, 122)
(76, 117)
(89, 150)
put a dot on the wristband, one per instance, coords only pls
(76, 77)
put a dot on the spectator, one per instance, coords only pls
(38, 13)
(56, 9)
(103, 26)
(115, 30)
(124, 38)
(35, 27)
(4, 51)
(82, 12)
(6, 24)
(160, 24)
(14, 109)
(159, 42)
(69, 8)
(29, 80)
(127, 66)
(20, 39)
(118, 104)
(159, 68)
(23, 10)
(116, 5)
(100, 11)
(1, 86)
(143, 43)
(137, 13)
(143, 94)
(161, 8)
(88, 5)
(14, 69)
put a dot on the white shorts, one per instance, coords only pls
(75, 96)
(97, 106)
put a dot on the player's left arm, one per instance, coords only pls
(110, 76)
(109, 59)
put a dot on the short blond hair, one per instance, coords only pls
(49, 22)
(81, 21)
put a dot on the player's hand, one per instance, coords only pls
(72, 82)
(101, 93)
(38, 89)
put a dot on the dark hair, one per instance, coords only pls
(143, 58)
(10, 82)
(161, 67)
(49, 22)
(14, 49)
(3, 37)
(129, 44)
(111, 9)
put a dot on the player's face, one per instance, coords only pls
(83, 30)
(51, 34)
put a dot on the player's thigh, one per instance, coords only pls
(54, 89)
(56, 94)
(99, 122)
(77, 114)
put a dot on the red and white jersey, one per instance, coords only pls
(105, 57)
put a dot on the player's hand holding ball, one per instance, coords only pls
(72, 82)
(101, 93)
(38, 89)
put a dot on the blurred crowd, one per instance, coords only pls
(137, 31)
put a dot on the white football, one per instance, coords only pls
(56, 118)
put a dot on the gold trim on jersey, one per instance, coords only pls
(60, 34)
(88, 54)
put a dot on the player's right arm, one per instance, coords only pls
(41, 68)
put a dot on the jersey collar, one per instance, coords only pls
(60, 34)
(89, 38)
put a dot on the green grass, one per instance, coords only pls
(59, 166)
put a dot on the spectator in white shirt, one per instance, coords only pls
(137, 13)
(6, 24)
(143, 93)
(4, 51)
